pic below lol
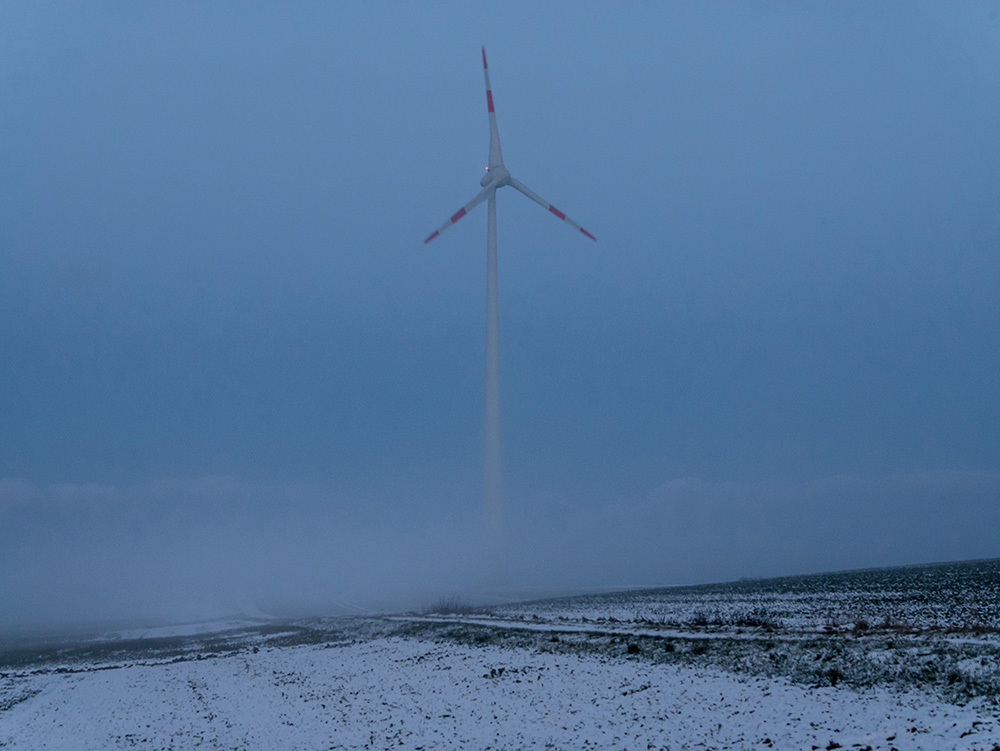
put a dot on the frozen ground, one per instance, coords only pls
(528, 676)
(956, 596)
(394, 692)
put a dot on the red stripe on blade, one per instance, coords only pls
(458, 215)
(588, 234)
(489, 99)
(557, 212)
(431, 237)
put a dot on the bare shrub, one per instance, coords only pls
(704, 617)
(757, 617)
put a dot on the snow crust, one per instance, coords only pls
(392, 692)
(946, 595)
(900, 659)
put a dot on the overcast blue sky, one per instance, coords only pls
(232, 373)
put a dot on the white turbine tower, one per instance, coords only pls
(496, 177)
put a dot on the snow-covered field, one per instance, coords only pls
(391, 692)
(528, 676)
(957, 595)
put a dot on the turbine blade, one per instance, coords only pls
(496, 157)
(479, 198)
(518, 185)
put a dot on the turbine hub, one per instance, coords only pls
(498, 176)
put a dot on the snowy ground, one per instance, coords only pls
(563, 674)
(391, 692)
(362, 685)
(957, 596)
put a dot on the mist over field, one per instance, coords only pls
(180, 551)
(233, 380)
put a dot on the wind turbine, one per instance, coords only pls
(496, 177)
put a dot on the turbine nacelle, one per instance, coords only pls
(496, 176)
